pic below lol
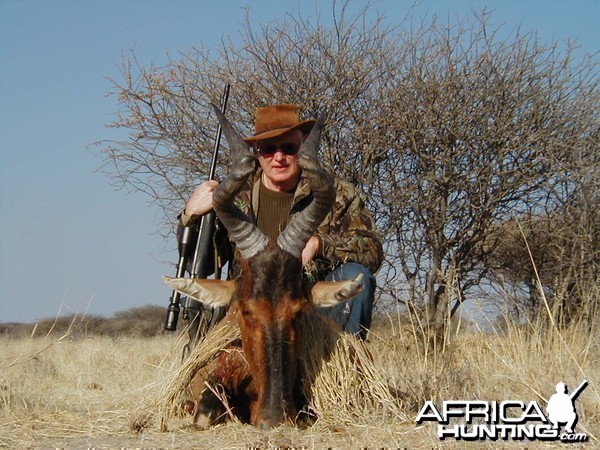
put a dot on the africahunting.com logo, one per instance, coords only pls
(507, 420)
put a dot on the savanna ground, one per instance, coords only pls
(76, 388)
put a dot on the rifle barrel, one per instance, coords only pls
(213, 163)
(580, 388)
(207, 222)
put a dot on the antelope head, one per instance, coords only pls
(269, 293)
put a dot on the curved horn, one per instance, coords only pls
(297, 233)
(247, 237)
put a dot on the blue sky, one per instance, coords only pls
(67, 237)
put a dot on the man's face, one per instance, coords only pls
(278, 158)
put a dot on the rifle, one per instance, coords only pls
(200, 264)
(579, 389)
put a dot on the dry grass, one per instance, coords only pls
(87, 391)
(340, 377)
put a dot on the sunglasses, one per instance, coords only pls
(287, 148)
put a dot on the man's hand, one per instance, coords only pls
(310, 250)
(201, 200)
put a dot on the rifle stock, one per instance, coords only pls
(200, 264)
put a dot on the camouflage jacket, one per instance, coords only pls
(347, 234)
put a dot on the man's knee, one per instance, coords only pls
(358, 311)
(349, 271)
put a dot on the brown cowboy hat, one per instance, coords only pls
(275, 120)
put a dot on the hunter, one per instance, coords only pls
(345, 244)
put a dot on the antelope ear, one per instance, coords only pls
(331, 293)
(212, 293)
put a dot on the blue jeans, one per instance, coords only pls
(353, 316)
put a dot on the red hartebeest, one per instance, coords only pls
(269, 294)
